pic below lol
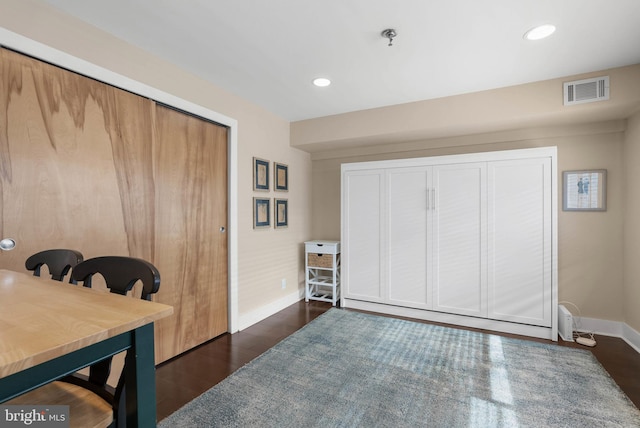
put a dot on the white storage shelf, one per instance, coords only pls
(322, 271)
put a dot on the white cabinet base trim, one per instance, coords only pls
(455, 320)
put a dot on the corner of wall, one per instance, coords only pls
(613, 329)
(631, 238)
(257, 315)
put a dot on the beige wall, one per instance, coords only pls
(265, 257)
(590, 259)
(590, 243)
(587, 136)
(592, 272)
(529, 106)
(631, 291)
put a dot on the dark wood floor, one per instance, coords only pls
(185, 377)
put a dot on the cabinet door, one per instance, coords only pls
(408, 252)
(459, 239)
(362, 232)
(520, 235)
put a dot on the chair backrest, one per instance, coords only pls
(59, 261)
(120, 274)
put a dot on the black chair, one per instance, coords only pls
(120, 274)
(92, 401)
(59, 262)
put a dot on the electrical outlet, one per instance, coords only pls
(284, 283)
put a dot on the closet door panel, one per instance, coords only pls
(520, 241)
(408, 271)
(88, 166)
(190, 168)
(60, 166)
(459, 239)
(362, 245)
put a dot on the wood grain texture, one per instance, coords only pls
(87, 166)
(62, 190)
(41, 319)
(132, 146)
(191, 187)
(86, 409)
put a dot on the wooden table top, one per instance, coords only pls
(41, 319)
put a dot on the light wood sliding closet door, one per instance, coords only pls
(88, 166)
(191, 210)
(75, 163)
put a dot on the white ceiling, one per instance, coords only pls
(269, 51)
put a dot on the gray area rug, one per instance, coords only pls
(347, 369)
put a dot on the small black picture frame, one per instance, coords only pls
(280, 213)
(281, 177)
(260, 175)
(261, 213)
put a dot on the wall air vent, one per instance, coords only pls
(586, 91)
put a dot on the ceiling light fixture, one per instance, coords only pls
(321, 82)
(389, 33)
(540, 32)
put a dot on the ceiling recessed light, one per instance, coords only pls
(540, 32)
(321, 81)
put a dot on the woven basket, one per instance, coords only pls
(320, 260)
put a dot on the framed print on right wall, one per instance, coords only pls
(584, 190)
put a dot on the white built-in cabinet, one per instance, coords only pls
(464, 239)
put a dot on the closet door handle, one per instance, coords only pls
(433, 198)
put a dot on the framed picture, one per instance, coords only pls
(280, 213)
(585, 190)
(281, 177)
(261, 213)
(260, 174)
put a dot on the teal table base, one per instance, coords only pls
(139, 372)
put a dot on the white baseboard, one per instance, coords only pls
(592, 325)
(454, 320)
(253, 317)
(631, 336)
(611, 328)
